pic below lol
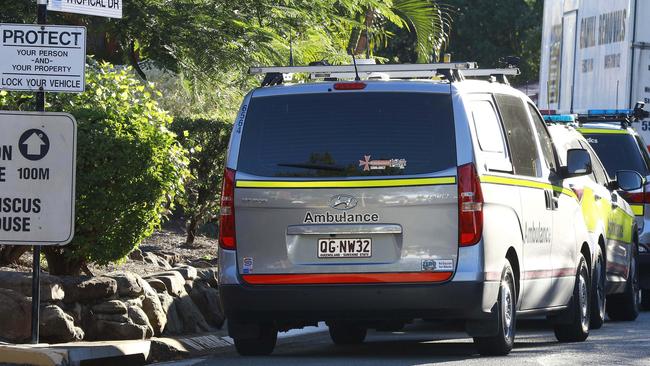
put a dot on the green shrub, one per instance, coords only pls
(129, 165)
(207, 141)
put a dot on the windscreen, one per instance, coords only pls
(618, 152)
(348, 134)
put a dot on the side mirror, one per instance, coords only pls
(629, 180)
(578, 162)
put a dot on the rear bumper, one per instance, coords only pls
(309, 303)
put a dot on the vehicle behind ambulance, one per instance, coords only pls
(367, 204)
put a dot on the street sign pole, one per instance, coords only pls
(36, 260)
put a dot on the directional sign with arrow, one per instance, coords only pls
(37, 177)
(34, 144)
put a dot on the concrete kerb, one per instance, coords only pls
(72, 354)
(33, 355)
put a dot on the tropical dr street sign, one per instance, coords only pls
(49, 58)
(37, 178)
(104, 8)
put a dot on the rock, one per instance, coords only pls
(110, 307)
(202, 263)
(174, 323)
(166, 301)
(51, 286)
(188, 272)
(188, 286)
(15, 316)
(88, 289)
(109, 330)
(154, 311)
(128, 284)
(76, 310)
(158, 285)
(138, 316)
(171, 257)
(206, 299)
(134, 302)
(150, 257)
(193, 320)
(119, 318)
(162, 350)
(174, 282)
(57, 327)
(209, 275)
(136, 255)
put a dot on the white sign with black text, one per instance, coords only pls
(104, 8)
(49, 58)
(37, 178)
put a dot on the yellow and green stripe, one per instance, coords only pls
(366, 183)
(526, 183)
(638, 209)
(603, 131)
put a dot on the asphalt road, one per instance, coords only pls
(617, 343)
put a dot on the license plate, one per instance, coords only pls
(345, 248)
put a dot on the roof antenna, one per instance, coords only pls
(356, 71)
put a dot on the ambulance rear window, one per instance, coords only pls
(618, 152)
(348, 134)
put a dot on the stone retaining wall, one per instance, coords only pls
(119, 305)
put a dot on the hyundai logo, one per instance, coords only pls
(343, 202)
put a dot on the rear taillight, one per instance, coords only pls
(470, 206)
(227, 214)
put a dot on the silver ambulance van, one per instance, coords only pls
(372, 202)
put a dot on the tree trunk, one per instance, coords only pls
(9, 254)
(59, 264)
(363, 42)
(191, 231)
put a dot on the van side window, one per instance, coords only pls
(544, 139)
(598, 171)
(488, 128)
(644, 150)
(519, 133)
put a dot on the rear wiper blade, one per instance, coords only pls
(313, 166)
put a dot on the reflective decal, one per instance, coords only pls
(347, 183)
(247, 265)
(369, 164)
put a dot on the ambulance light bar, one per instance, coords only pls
(560, 118)
(610, 112)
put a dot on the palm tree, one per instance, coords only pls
(429, 19)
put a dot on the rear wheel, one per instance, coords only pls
(262, 345)
(577, 329)
(625, 306)
(502, 343)
(598, 291)
(346, 334)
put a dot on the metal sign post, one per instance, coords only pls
(36, 249)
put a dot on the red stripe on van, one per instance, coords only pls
(342, 278)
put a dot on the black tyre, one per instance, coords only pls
(645, 300)
(625, 306)
(598, 279)
(501, 344)
(347, 334)
(261, 346)
(577, 330)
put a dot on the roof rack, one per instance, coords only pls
(328, 69)
(450, 70)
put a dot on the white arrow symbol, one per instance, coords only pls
(34, 144)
